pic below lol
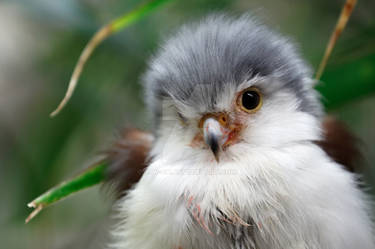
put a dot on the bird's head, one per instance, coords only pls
(227, 83)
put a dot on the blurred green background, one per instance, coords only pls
(40, 42)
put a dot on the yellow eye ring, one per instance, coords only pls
(250, 100)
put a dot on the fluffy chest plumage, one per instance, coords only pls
(252, 202)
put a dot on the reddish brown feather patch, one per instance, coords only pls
(128, 159)
(340, 144)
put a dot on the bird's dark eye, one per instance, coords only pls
(250, 100)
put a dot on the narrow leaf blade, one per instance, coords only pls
(89, 177)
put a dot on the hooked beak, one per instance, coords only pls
(214, 136)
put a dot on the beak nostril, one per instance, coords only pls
(223, 119)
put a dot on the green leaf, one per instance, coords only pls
(125, 20)
(348, 81)
(89, 177)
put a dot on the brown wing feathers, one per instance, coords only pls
(128, 156)
(340, 144)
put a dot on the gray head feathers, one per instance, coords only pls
(219, 51)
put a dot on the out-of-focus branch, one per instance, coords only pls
(340, 25)
(103, 33)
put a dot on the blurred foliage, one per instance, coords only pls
(42, 42)
(348, 81)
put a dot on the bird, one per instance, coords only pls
(241, 153)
